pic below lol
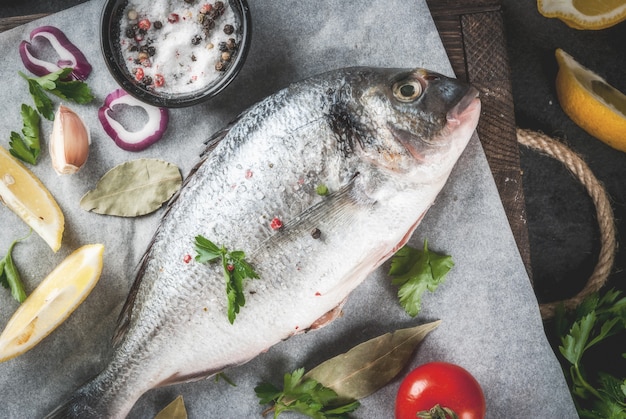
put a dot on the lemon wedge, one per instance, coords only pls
(592, 103)
(52, 301)
(22, 192)
(585, 14)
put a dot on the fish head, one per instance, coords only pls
(422, 121)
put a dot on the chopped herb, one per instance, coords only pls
(27, 148)
(236, 271)
(322, 190)
(595, 320)
(305, 396)
(56, 84)
(9, 276)
(416, 271)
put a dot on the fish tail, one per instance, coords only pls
(96, 399)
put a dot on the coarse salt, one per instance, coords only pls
(180, 56)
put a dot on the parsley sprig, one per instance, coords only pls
(236, 271)
(305, 396)
(416, 271)
(27, 145)
(595, 320)
(56, 83)
(9, 275)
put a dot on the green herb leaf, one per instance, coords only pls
(416, 271)
(133, 188)
(236, 271)
(77, 91)
(304, 395)
(595, 319)
(27, 148)
(367, 367)
(9, 275)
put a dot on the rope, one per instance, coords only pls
(604, 213)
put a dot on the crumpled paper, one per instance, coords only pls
(491, 324)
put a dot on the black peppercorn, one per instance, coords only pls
(147, 80)
(157, 24)
(151, 51)
(222, 46)
(196, 40)
(229, 29)
(130, 32)
(208, 23)
(231, 44)
(316, 233)
(220, 66)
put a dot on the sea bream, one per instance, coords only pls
(381, 141)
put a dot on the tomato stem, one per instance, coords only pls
(437, 412)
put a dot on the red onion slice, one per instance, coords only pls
(69, 54)
(150, 133)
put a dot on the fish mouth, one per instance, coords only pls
(465, 109)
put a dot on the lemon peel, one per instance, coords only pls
(592, 103)
(584, 14)
(56, 297)
(24, 194)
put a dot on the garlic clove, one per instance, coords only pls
(69, 141)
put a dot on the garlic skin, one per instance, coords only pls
(69, 141)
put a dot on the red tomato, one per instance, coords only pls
(443, 384)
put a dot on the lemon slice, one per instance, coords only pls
(22, 192)
(584, 14)
(592, 103)
(52, 301)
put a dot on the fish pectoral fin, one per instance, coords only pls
(179, 378)
(327, 318)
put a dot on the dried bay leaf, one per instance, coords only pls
(370, 365)
(174, 410)
(134, 188)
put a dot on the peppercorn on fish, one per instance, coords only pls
(382, 142)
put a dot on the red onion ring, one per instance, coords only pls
(69, 54)
(151, 132)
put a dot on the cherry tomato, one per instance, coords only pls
(440, 384)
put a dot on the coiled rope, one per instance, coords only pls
(604, 213)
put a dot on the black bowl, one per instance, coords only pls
(110, 29)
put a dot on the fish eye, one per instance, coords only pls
(407, 91)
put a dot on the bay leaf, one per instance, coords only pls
(369, 366)
(134, 188)
(174, 410)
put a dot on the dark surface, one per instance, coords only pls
(563, 232)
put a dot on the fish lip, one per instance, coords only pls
(467, 105)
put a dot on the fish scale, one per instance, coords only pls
(382, 140)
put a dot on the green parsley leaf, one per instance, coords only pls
(305, 396)
(9, 275)
(74, 90)
(599, 395)
(236, 271)
(27, 148)
(416, 271)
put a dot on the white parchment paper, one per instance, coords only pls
(491, 324)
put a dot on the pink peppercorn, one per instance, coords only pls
(159, 80)
(187, 258)
(230, 267)
(144, 24)
(139, 74)
(276, 223)
(248, 174)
